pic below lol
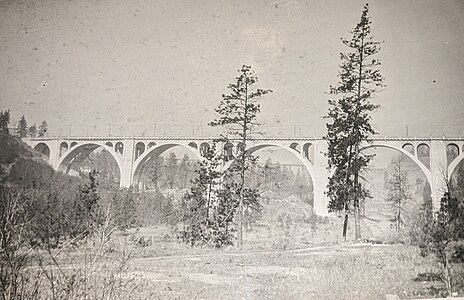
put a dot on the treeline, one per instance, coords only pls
(168, 173)
(59, 207)
(160, 173)
(282, 180)
(43, 211)
(22, 128)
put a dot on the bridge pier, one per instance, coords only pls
(320, 179)
(127, 164)
(438, 169)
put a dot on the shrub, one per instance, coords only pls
(443, 237)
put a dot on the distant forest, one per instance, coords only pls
(171, 172)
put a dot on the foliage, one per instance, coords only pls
(28, 272)
(349, 110)
(282, 180)
(157, 171)
(63, 206)
(88, 210)
(43, 129)
(4, 121)
(15, 215)
(238, 111)
(22, 129)
(398, 194)
(184, 170)
(444, 236)
(421, 218)
(9, 151)
(171, 170)
(209, 207)
(32, 131)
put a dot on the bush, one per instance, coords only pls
(443, 237)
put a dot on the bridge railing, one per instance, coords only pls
(275, 131)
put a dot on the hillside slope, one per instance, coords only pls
(14, 152)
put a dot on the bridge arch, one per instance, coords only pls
(423, 154)
(85, 149)
(409, 147)
(419, 163)
(155, 151)
(43, 148)
(452, 151)
(139, 149)
(454, 164)
(119, 148)
(308, 151)
(204, 147)
(228, 151)
(305, 162)
(63, 148)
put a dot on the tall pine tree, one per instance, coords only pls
(4, 121)
(33, 131)
(238, 111)
(43, 129)
(350, 111)
(22, 127)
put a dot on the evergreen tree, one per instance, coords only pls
(185, 168)
(22, 127)
(209, 206)
(444, 237)
(43, 129)
(156, 171)
(33, 131)
(171, 170)
(4, 121)
(87, 208)
(349, 111)
(238, 111)
(398, 193)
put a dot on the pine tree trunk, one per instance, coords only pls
(357, 224)
(243, 154)
(240, 223)
(447, 272)
(345, 225)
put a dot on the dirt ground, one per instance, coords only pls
(332, 271)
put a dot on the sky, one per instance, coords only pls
(131, 64)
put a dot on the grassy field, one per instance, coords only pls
(161, 268)
(286, 255)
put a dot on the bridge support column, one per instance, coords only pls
(320, 179)
(127, 163)
(54, 147)
(438, 168)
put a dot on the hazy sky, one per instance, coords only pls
(91, 62)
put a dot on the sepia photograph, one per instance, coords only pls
(231, 149)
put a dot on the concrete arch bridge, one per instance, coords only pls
(434, 156)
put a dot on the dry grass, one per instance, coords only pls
(335, 271)
(148, 263)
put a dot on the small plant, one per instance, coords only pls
(399, 194)
(444, 236)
